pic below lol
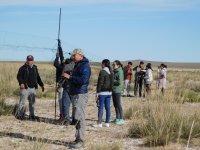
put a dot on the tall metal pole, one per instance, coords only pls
(59, 25)
(57, 52)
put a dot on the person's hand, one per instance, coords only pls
(67, 76)
(97, 98)
(22, 86)
(42, 88)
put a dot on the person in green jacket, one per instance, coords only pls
(118, 81)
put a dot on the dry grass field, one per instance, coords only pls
(156, 122)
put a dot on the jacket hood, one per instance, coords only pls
(107, 70)
(84, 60)
(117, 70)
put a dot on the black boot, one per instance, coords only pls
(77, 144)
(20, 117)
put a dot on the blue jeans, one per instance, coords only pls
(104, 100)
(60, 94)
(66, 101)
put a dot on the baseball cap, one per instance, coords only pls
(77, 51)
(30, 58)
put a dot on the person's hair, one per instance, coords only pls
(149, 66)
(141, 63)
(163, 65)
(130, 63)
(106, 63)
(118, 63)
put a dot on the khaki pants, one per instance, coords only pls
(79, 103)
(24, 95)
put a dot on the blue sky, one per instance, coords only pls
(157, 30)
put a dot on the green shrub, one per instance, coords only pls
(193, 96)
(5, 109)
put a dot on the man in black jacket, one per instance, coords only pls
(59, 65)
(139, 77)
(28, 78)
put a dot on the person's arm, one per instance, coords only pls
(116, 80)
(20, 76)
(100, 82)
(147, 75)
(60, 51)
(83, 78)
(39, 80)
(135, 68)
(60, 66)
(56, 61)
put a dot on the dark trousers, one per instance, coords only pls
(66, 102)
(117, 105)
(138, 84)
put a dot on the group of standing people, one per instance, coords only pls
(110, 85)
(115, 81)
(143, 79)
(73, 76)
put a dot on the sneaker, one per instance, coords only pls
(106, 125)
(97, 125)
(120, 122)
(114, 121)
(77, 144)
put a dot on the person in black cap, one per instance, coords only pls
(28, 78)
(139, 77)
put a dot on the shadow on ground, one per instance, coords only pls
(34, 139)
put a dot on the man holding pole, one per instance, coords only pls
(79, 81)
(59, 65)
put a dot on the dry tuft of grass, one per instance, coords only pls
(162, 120)
(5, 109)
(104, 147)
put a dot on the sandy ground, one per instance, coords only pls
(48, 134)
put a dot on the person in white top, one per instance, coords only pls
(148, 78)
(162, 78)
